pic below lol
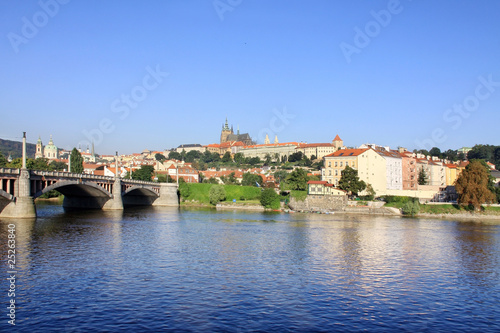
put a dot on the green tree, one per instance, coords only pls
(211, 180)
(267, 159)
(269, 199)
(42, 164)
(370, 192)
(192, 155)
(76, 161)
(215, 157)
(216, 194)
(451, 155)
(296, 157)
(17, 163)
(423, 179)
(239, 158)
(145, 172)
(173, 155)
(350, 182)
(435, 152)
(297, 180)
(472, 186)
(160, 157)
(280, 175)
(481, 152)
(184, 189)
(231, 179)
(57, 166)
(250, 179)
(161, 178)
(227, 157)
(253, 160)
(3, 161)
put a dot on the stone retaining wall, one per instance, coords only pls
(321, 203)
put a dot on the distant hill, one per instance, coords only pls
(15, 149)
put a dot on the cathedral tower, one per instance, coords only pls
(225, 132)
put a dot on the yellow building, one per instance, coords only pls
(451, 174)
(370, 165)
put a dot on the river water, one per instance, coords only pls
(200, 270)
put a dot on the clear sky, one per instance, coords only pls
(156, 74)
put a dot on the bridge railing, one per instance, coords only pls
(11, 171)
(64, 174)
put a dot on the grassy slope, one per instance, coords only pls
(200, 192)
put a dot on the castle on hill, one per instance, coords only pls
(227, 135)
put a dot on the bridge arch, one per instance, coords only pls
(138, 195)
(73, 188)
(139, 190)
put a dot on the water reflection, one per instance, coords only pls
(158, 268)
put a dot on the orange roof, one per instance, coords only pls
(274, 145)
(337, 138)
(323, 182)
(307, 145)
(348, 152)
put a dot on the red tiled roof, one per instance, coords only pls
(348, 152)
(309, 145)
(337, 138)
(274, 145)
(323, 182)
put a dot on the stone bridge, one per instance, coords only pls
(19, 188)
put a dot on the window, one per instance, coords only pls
(330, 172)
(341, 163)
(335, 163)
(336, 172)
(329, 164)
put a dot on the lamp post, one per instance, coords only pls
(116, 165)
(24, 150)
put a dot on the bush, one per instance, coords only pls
(269, 198)
(216, 194)
(411, 208)
(184, 190)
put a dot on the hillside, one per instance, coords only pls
(14, 148)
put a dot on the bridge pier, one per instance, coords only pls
(116, 202)
(168, 195)
(23, 205)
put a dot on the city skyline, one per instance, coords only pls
(158, 75)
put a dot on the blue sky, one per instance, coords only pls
(155, 74)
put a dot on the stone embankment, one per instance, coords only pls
(339, 205)
(240, 206)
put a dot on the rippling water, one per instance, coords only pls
(197, 270)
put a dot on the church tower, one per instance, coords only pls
(39, 148)
(225, 132)
(337, 142)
